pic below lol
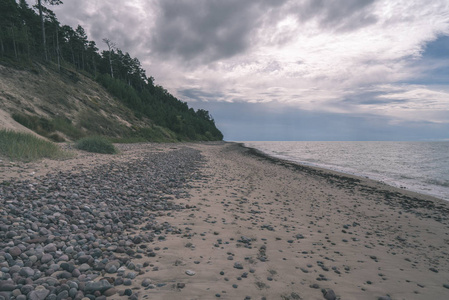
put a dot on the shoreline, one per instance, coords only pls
(217, 220)
(342, 173)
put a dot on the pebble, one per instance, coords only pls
(190, 272)
(329, 294)
(54, 230)
(238, 265)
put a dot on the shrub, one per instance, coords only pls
(26, 147)
(96, 144)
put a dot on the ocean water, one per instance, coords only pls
(422, 167)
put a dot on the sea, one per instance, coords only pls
(421, 167)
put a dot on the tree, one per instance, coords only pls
(111, 47)
(41, 15)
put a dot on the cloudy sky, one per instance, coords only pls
(290, 69)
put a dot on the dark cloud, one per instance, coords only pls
(207, 30)
(199, 95)
(338, 15)
(107, 19)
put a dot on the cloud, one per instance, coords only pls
(376, 59)
(337, 15)
(206, 30)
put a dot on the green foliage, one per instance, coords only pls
(164, 109)
(48, 128)
(96, 144)
(66, 126)
(38, 124)
(155, 134)
(22, 42)
(27, 147)
(98, 124)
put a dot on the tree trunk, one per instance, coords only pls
(82, 59)
(27, 42)
(57, 49)
(95, 67)
(110, 63)
(14, 42)
(73, 55)
(2, 46)
(44, 43)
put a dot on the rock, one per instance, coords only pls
(238, 265)
(112, 266)
(101, 286)
(26, 272)
(329, 294)
(26, 289)
(15, 251)
(180, 285)
(7, 286)
(110, 292)
(190, 272)
(64, 275)
(46, 258)
(85, 259)
(146, 282)
(127, 282)
(40, 293)
(84, 267)
(128, 292)
(62, 295)
(50, 248)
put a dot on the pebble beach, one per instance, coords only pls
(213, 221)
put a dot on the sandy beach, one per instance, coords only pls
(252, 227)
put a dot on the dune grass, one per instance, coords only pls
(96, 144)
(26, 147)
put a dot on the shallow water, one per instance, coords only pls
(417, 166)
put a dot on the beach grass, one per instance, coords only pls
(27, 147)
(96, 144)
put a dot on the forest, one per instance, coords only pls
(34, 35)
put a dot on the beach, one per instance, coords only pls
(215, 221)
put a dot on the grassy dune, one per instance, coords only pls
(26, 147)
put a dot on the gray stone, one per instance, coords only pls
(73, 292)
(40, 293)
(329, 294)
(238, 265)
(112, 266)
(50, 248)
(26, 289)
(84, 267)
(15, 251)
(26, 272)
(146, 282)
(110, 292)
(63, 295)
(7, 286)
(101, 286)
(127, 282)
(190, 272)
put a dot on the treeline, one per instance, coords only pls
(34, 34)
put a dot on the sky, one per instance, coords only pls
(290, 69)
